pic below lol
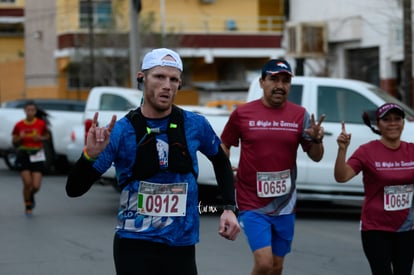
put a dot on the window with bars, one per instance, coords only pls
(107, 72)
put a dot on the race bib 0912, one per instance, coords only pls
(157, 199)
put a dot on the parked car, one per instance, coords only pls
(340, 100)
(115, 100)
(69, 105)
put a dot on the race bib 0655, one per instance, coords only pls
(273, 184)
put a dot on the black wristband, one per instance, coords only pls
(317, 141)
(230, 207)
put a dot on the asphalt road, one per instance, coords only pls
(74, 236)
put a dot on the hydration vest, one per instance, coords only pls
(146, 159)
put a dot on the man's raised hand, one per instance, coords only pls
(98, 137)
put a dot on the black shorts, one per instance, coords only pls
(134, 256)
(23, 162)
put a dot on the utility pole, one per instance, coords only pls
(162, 15)
(91, 44)
(134, 53)
(408, 55)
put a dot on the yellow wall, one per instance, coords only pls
(63, 91)
(184, 97)
(194, 16)
(121, 14)
(197, 8)
(11, 79)
(42, 92)
(12, 61)
(67, 15)
(271, 8)
(16, 4)
(11, 48)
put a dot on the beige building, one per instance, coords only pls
(72, 45)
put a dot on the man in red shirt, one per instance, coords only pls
(270, 130)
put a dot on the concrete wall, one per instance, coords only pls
(356, 24)
(40, 44)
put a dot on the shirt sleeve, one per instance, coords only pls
(81, 178)
(306, 141)
(357, 160)
(231, 132)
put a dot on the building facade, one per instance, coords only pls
(81, 44)
(71, 45)
(364, 39)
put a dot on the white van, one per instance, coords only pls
(340, 100)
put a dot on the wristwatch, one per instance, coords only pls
(230, 207)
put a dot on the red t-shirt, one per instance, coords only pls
(269, 141)
(37, 127)
(386, 208)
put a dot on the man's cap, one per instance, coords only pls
(275, 66)
(388, 107)
(156, 57)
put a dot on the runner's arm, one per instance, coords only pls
(224, 176)
(81, 178)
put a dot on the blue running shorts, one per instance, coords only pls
(264, 230)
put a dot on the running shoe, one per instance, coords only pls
(28, 209)
(32, 200)
(28, 213)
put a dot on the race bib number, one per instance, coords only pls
(166, 200)
(39, 156)
(398, 197)
(273, 184)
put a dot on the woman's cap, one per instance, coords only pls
(388, 107)
(157, 57)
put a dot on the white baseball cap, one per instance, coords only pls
(156, 57)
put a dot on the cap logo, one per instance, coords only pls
(281, 64)
(385, 108)
(162, 57)
(168, 62)
(276, 66)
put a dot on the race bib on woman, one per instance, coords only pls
(273, 184)
(38, 156)
(398, 197)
